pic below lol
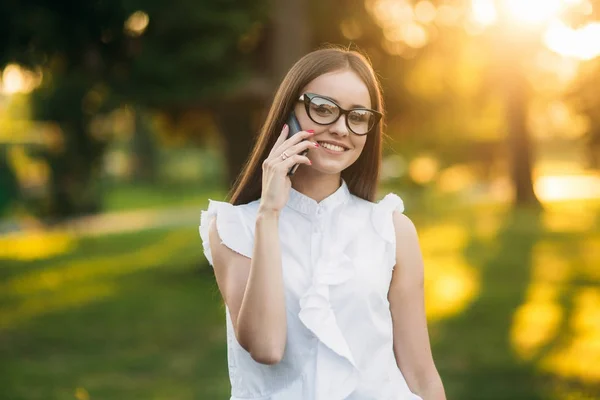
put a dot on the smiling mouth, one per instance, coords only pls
(333, 147)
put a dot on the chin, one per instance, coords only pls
(332, 165)
(329, 168)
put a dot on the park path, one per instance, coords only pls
(114, 222)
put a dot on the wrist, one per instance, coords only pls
(268, 213)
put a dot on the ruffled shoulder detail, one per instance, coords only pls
(232, 225)
(382, 216)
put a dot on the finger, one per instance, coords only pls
(293, 160)
(297, 138)
(302, 146)
(281, 138)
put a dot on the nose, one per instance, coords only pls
(340, 127)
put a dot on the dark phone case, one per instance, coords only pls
(293, 124)
(294, 127)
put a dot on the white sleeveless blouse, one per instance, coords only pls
(337, 261)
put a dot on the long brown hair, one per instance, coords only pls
(363, 175)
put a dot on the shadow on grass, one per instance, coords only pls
(158, 330)
(513, 341)
(157, 333)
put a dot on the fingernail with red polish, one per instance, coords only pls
(317, 144)
(310, 131)
(284, 126)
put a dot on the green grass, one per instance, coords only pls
(128, 317)
(125, 196)
(138, 316)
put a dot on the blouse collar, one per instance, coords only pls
(306, 205)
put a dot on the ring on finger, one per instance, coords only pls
(284, 155)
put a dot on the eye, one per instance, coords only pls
(360, 116)
(323, 109)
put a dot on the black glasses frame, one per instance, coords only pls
(306, 98)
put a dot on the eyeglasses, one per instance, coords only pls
(324, 111)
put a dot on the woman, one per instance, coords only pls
(323, 288)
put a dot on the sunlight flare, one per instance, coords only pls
(484, 12)
(567, 187)
(534, 11)
(16, 79)
(582, 43)
(425, 11)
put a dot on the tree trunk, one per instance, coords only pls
(513, 48)
(237, 116)
(235, 121)
(593, 145)
(144, 149)
(9, 187)
(519, 142)
(73, 185)
(291, 39)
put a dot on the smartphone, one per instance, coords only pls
(293, 124)
(294, 127)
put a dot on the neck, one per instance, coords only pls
(315, 185)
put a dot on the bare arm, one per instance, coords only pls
(406, 296)
(253, 290)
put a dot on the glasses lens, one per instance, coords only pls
(361, 121)
(323, 111)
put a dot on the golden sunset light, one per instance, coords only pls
(582, 43)
(444, 216)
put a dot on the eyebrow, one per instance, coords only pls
(351, 107)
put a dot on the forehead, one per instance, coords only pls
(344, 86)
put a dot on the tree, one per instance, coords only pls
(98, 55)
(513, 49)
(8, 183)
(64, 40)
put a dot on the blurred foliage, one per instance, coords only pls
(94, 58)
(192, 53)
(585, 95)
(459, 93)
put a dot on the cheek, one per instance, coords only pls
(359, 147)
(359, 144)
